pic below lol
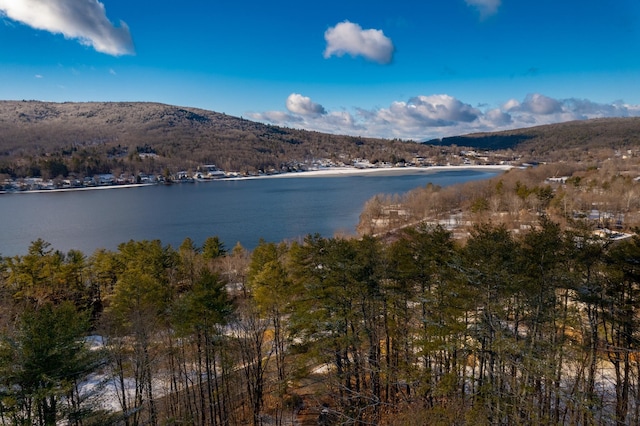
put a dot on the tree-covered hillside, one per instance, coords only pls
(51, 139)
(563, 141)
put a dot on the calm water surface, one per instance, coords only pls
(236, 211)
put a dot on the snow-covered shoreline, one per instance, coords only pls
(85, 188)
(388, 171)
(317, 173)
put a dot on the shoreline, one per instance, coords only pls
(354, 171)
(87, 188)
(319, 173)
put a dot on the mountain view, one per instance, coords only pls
(450, 190)
(83, 139)
(90, 138)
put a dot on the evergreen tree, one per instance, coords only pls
(42, 364)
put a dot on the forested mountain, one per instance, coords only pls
(44, 138)
(556, 141)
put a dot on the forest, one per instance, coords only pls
(539, 327)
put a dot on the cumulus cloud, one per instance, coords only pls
(435, 116)
(585, 108)
(83, 20)
(328, 122)
(540, 105)
(485, 7)
(443, 107)
(498, 117)
(303, 105)
(511, 104)
(428, 111)
(537, 109)
(349, 38)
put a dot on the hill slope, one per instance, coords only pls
(616, 133)
(98, 136)
(52, 139)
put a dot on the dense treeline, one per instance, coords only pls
(535, 328)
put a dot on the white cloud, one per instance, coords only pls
(498, 117)
(84, 20)
(279, 118)
(303, 105)
(38, 76)
(485, 7)
(585, 108)
(435, 116)
(337, 120)
(418, 115)
(511, 104)
(540, 105)
(350, 38)
(443, 109)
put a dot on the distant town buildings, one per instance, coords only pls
(211, 171)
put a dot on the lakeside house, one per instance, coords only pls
(209, 171)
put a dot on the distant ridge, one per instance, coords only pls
(583, 135)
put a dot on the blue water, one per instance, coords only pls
(234, 210)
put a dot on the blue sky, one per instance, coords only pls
(395, 69)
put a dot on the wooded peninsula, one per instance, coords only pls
(509, 301)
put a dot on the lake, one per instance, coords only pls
(242, 210)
